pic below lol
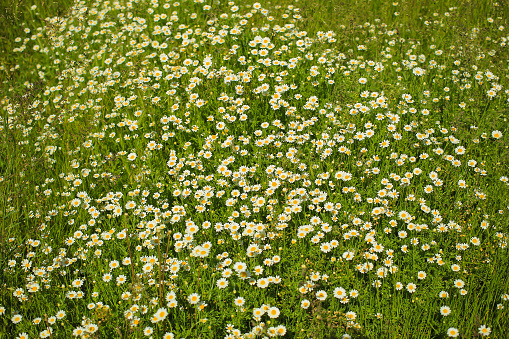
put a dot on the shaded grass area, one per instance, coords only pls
(17, 72)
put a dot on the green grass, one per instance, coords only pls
(371, 164)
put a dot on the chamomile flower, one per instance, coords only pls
(453, 332)
(445, 310)
(273, 312)
(16, 318)
(193, 298)
(496, 134)
(239, 301)
(321, 295)
(484, 331)
(411, 287)
(222, 283)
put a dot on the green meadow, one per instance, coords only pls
(220, 169)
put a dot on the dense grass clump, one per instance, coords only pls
(211, 169)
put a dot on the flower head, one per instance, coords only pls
(453, 332)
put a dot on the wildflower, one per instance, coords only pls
(354, 293)
(305, 304)
(445, 310)
(281, 330)
(258, 312)
(459, 283)
(78, 331)
(273, 312)
(443, 294)
(222, 283)
(172, 303)
(351, 315)
(262, 283)
(148, 331)
(239, 301)
(321, 295)
(240, 267)
(160, 315)
(194, 299)
(46, 333)
(16, 318)
(484, 331)
(315, 220)
(121, 279)
(411, 287)
(496, 134)
(339, 292)
(475, 241)
(325, 247)
(146, 268)
(453, 332)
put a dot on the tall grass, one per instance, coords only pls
(213, 169)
